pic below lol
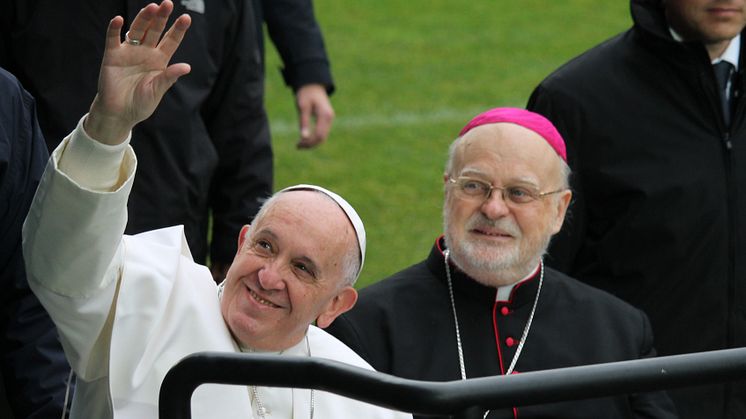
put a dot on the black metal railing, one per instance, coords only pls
(457, 398)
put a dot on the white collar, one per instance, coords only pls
(731, 54)
(503, 292)
(299, 349)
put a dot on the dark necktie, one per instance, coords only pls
(723, 71)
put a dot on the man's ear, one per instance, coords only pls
(242, 236)
(563, 202)
(341, 303)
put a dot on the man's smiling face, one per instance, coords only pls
(494, 239)
(289, 271)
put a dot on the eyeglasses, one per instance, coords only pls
(479, 189)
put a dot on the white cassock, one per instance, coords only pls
(130, 307)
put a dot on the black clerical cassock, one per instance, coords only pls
(404, 325)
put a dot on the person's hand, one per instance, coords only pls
(135, 74)
(313, 104)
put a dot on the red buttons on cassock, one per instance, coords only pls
(504, 310)
(510, 342)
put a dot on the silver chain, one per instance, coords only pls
(461, 365)
(262, 411)
(526, 328)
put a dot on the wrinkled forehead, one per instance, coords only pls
(305, 224)
(504, 146)
(349, 211)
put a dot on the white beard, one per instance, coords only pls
(494, 265)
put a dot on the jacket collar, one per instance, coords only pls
(650, 16)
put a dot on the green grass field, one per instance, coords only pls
(409, 75)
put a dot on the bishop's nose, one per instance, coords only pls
(495, 206)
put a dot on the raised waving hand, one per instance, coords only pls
(135, 74)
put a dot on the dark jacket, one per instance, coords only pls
(205, 149)
(32, 365)
(403, 325)
(297, 37)
(659, 210)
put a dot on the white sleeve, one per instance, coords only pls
(72, 244)
(91, 164)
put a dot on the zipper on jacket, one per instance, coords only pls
(726, 141)
(732, 208)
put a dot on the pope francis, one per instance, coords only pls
(129, 307)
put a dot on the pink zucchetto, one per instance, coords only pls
(524, 118)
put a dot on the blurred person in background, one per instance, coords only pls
(656, 136)
(32, 365)
(297, 37)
